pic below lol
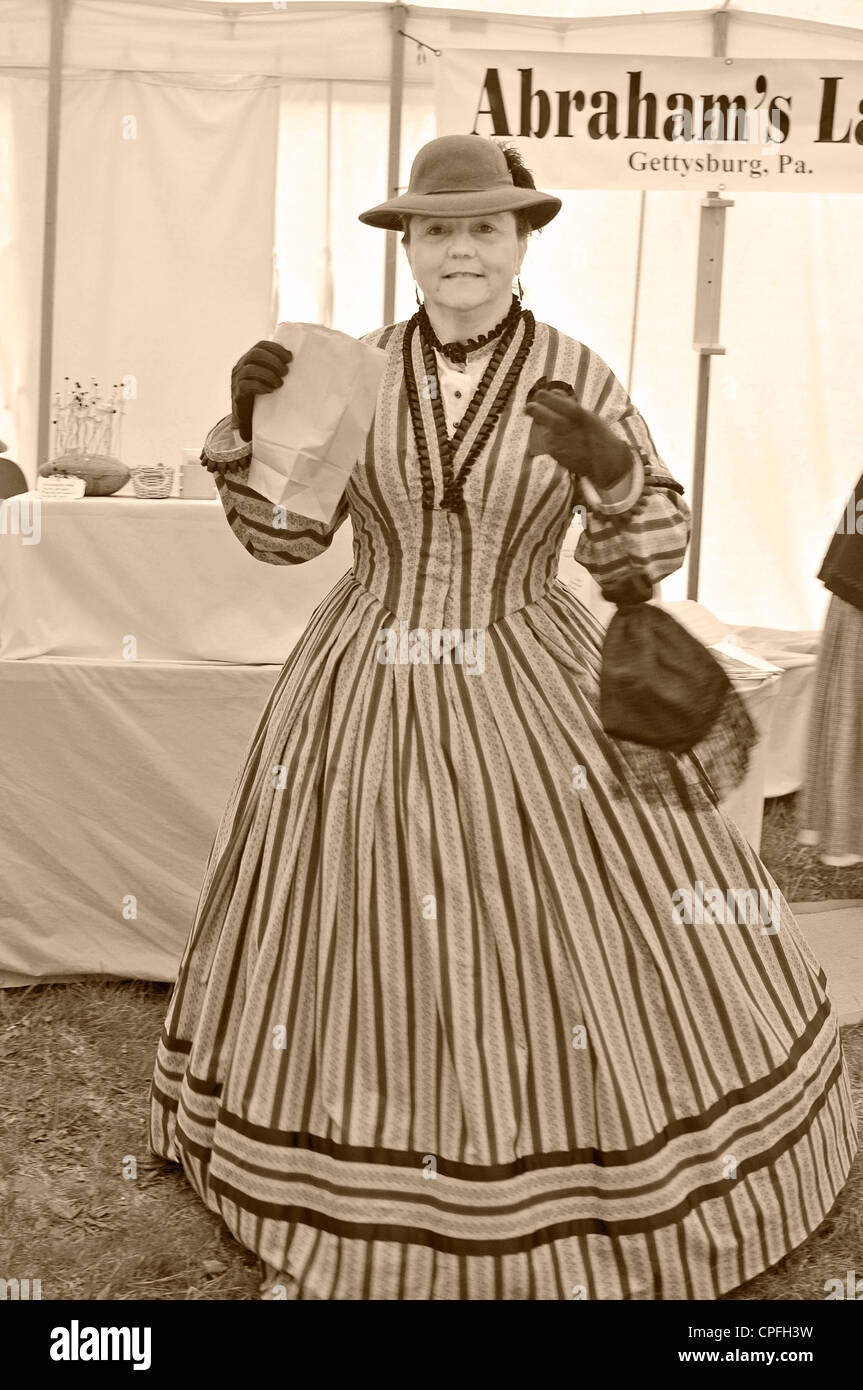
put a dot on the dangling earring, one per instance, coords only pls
(417, 293)
(520, 290)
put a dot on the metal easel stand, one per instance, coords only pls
(705, 337)
(705, 340)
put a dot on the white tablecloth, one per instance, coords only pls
(113, 778)
(167, 572)
(796, 653)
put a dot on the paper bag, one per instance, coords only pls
(309, 434)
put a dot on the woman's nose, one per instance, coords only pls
(462, 244)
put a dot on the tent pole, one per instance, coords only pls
(398, 16)
(708, 298)
(49, 244)
(329, 287)
(639, 261)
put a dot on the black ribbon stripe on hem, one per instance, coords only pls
(575, 1189)
(608, 1158)
(174, 1042)
(424, 1198)
(562, 1230)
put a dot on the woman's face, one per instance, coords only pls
(465, 262)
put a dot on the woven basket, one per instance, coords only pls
(153, 480)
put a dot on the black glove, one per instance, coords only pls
(577, 438)
(261, 370)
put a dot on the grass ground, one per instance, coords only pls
(76, 1064)
(796, 868)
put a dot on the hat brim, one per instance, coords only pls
(539, 207)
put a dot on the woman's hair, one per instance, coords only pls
(521, 177)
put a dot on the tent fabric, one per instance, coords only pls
(330, 266)
(260, 137)
(23, 129)
(165, 246)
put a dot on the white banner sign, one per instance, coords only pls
(586, 120)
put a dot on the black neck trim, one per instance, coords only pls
(458, 352)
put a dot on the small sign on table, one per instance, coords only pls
(60, 485)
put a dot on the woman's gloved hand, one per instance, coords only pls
(260, 370)
(577, 438)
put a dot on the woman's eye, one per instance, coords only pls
(482, 226)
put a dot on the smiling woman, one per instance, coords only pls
(465, 266)
(441, 941)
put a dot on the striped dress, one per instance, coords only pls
(830, 809)
(442, 1028)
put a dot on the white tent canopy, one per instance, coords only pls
(204, 145)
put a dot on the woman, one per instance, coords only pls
(831, 805)
(439, 1031)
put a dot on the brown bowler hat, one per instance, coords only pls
(457, 175)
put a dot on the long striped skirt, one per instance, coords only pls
(830, 812)
(448, 1025)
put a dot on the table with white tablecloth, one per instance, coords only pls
(139, 643)
(119, 757)
(112, 781)
(81, 576)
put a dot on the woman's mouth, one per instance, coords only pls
(463, 274)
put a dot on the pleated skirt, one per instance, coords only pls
(830, 810)
(445, 1027)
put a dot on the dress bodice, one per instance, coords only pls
(454, 524)
(429, 563)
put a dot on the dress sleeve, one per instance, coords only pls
(649, 535)
(269, 532)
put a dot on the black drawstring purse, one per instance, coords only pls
(682, 729)
(663, 696)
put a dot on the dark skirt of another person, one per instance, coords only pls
(831, 804)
